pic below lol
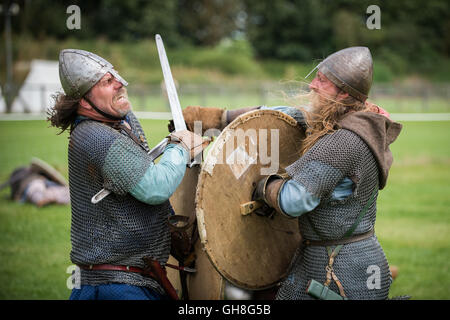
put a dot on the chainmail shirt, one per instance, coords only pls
(334, 157)
(120, 229)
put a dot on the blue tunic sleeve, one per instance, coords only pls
(162, 179)
(295, 200)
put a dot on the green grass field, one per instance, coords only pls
(413, 223)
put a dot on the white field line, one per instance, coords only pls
(401, 117)
(420, 116)
(43, 116)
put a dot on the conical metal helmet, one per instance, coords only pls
(80, 70)
(351, 70)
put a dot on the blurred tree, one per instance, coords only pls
(310, 29)
(289, 29)
(112, 19)
(415, 31)
(137, 19)
(41, 19)
(206, 22)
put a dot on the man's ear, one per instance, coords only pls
(84, 104)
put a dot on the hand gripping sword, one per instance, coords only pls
(175, 108)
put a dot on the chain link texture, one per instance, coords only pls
(334, 157)
(119, 230)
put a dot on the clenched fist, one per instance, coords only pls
(191, 142)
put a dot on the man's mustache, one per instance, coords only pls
(121, 93)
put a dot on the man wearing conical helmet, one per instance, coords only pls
(332, 188)
(108, 149)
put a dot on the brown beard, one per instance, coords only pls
(121, 93)
(323, 116)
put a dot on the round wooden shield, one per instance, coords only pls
(250, 251)
(42, 167)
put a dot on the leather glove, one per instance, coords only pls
(191, 142)
(210, 118)
(258, 195)
(267, 191)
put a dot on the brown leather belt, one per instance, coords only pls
(111, 267)
(326, 243)
(154, 271)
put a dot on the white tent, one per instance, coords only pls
(42, 82)
(2, 102)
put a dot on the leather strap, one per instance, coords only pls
(331, 275)
(106, 115)
(120, 126)
(153, 266)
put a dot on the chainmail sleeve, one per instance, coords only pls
(327, 163)
(333, 158)
(118, 160)
(124, 165)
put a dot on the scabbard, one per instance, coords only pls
(160, 275)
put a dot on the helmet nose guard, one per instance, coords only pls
(80, 70)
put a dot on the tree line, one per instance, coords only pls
(299, 30)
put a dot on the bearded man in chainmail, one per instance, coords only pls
(332, 188)
(108, 149)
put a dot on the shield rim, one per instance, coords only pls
(38, 165)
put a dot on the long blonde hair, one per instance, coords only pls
(323, 115)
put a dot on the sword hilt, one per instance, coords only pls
(249, 207)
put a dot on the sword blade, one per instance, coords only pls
(175, 109)
(174, 102)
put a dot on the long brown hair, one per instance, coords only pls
(323, 116)
(64, 112)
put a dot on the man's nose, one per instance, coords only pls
(117, 84)
(312, 85)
